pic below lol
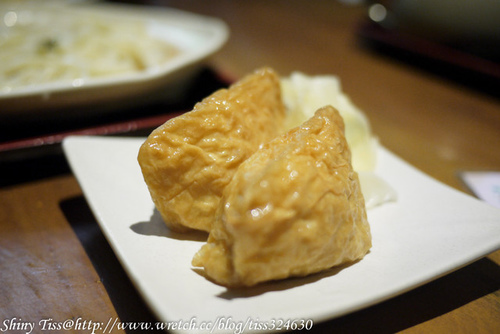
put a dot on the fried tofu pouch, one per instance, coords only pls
(293, 208)
(188, 161)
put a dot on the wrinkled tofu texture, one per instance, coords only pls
(188, 161)
(293, 208)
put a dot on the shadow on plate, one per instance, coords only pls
(155, 226)
(281, 285)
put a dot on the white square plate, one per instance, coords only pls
(430, 231)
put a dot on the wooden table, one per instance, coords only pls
(56, 264)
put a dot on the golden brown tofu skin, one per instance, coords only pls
(188, 161)
(293, 208)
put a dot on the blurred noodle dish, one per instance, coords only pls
(49, 46)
